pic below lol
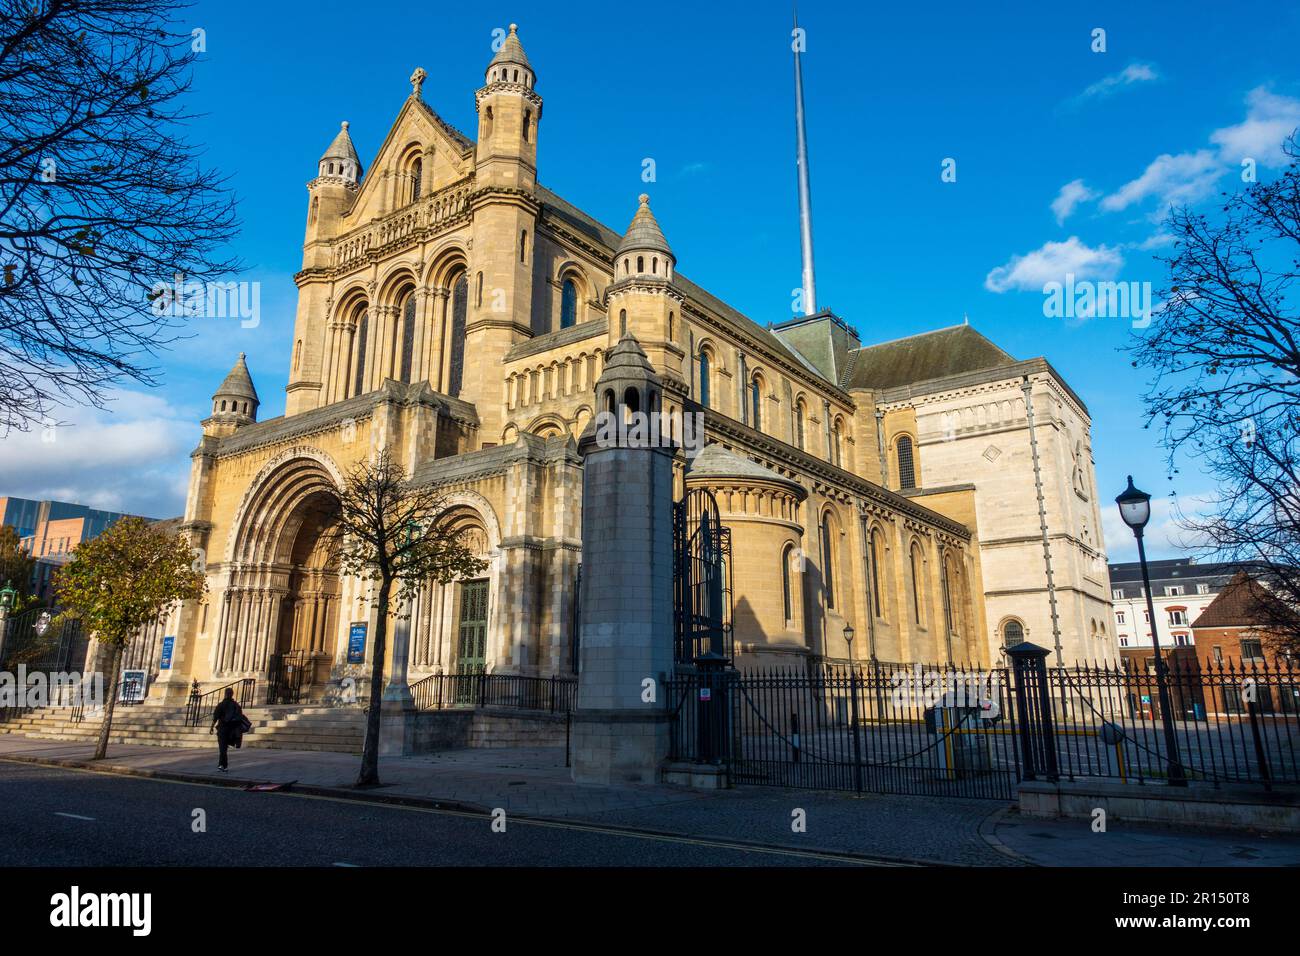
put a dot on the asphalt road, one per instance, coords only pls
(59, 817)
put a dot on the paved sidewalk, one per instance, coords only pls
(1072, 843)
(535, 782)
(532, 781)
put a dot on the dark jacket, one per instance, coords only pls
(227, 712)
(231, 722)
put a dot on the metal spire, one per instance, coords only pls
(805, 194)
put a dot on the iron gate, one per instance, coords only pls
(933, 731)
(701, 581)
(42, 641)
(284, 677)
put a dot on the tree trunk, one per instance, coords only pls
(369, 776)
(106, 727)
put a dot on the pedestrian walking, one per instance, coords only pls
(230, 725)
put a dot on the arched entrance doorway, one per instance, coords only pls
(304, 642)
(280, 610)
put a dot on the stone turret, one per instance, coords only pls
(330, 195)
(235, 403)
(509, 113)
(644, 251)
(642, 300)
(628, 383)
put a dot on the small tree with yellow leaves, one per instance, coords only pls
(117, 583)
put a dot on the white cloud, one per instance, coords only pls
(132, 456)
(1051, 262)
(1071, 194)
(1157, 241)
(1133, 73)
(1270, 119)
(1173, 179)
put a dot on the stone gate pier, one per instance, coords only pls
(621, 725)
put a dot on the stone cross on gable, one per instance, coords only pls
(417, 81)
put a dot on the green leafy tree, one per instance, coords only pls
(16, 566)
(119, 582)
(391, 533)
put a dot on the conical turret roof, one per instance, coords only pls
(512, 51)
(644, 231)
(626, 355)
(342, 147)
(239, 383)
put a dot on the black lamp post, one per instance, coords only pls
(853, 710)
(1135, 509)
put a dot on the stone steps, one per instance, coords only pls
(306, 727)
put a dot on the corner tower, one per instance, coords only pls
(642, 300)
(505, 227)
(330, 196)
(510, 112)
(331, 193)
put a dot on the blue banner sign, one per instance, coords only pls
(357, 643)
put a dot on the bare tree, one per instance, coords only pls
(101, 199)
(391, 533)
(1225, 353)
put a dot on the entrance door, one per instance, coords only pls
(471, 640)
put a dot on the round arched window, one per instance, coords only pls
(1013, 633)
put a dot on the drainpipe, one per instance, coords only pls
(1027, 387)
(880, 446)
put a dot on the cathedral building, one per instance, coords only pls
(455, 312)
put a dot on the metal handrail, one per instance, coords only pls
(196, 707)
(553, 694)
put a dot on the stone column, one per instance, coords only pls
(397, 731)
(398, 690)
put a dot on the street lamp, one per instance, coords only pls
(7, 595)
(853, 710)
(1135, 509)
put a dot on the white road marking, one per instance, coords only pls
(74, 816)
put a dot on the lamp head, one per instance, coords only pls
(1134, 507)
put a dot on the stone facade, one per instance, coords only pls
(456, 313)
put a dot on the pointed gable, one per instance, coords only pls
(416, 122)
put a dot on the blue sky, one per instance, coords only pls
(1065, 160)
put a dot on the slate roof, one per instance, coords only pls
(581, 221)
(714, 461)
(920, 358)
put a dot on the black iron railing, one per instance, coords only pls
(1233, 722)
(939, 730)
(554, 695)
(200, 706)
